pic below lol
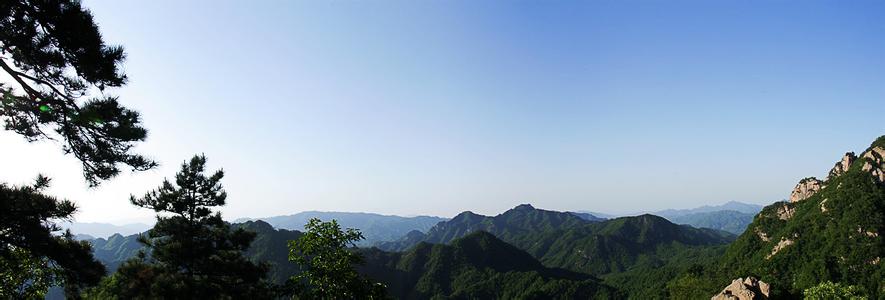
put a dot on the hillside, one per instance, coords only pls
(271, 246)
(522, 223)
(116, 249)
(829, 231)
(620, 244)
(477, 266)
(563, 240)
(375, 227)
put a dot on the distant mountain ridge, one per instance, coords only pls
(375, 227)
(560, 239)
(728, 220)
(741, 207)
(732, 216)
(104, 230)
(520, 221)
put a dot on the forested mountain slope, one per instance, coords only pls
(830, 231)
(478, 266)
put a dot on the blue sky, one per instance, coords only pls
(436, 107)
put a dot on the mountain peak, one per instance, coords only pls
(524, 207)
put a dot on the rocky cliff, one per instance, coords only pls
(830, 230)
(744, 289)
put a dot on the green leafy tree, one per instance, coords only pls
(23, 276)
(834, 291)
(193, 253)
(327, 257)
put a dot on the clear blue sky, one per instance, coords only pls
(436, 107)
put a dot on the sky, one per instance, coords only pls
(439, 107)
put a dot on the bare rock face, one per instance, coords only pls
(785, 212)
(874, 162)
(744, 289)
(805, 189)
(784, 242)
(842, 166)
(762, 235)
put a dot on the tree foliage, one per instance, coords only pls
(55, 55)
(192, 253)
(23, 276)
(29, 239)
(327, 258)
(58, 67)
(834, 291)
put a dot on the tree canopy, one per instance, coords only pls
(327, 258)
(27, 242)
(60, 66)
(191, 252)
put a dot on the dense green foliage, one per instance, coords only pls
(478, 266)
(664, 278)
(55, 57)
(327, 256)
(193, 252)
(28, 238)
(376, 228)
(833, 236)
(834, 291)
(23, 276)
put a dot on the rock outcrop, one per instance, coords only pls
(744, 289)
(874, 162)
(786, 212)
(842, 166)
(805, 189)
(780, 246)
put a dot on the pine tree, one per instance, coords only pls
(326, 256)
(32, 258)
(55, 60)
(54, 54)
(193, 253)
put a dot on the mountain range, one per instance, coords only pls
(477, 266)
(828, 231)
(103, 230)
(732, 216)
(727, 220)
(736, 206)
(555, 253)
(375, 227)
